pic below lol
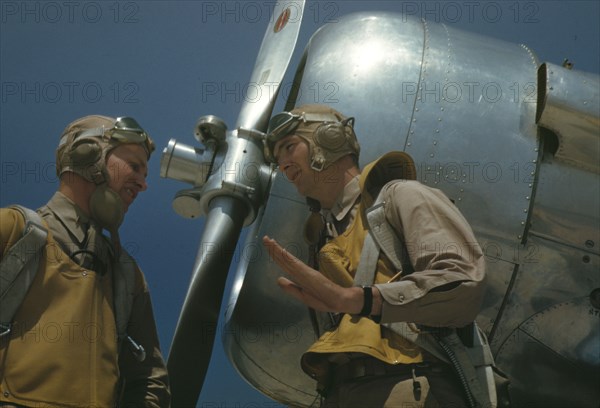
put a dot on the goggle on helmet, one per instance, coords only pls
(84, 152)
(329, 137)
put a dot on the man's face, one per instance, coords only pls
(127, 167)
(292, 157)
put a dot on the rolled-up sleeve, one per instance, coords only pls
(447, 285)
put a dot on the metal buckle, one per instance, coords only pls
(137, 349)
(5, 329)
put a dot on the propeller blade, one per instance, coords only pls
(271, 63)
(197, 326)
(227, 212)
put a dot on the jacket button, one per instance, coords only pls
(6, 394)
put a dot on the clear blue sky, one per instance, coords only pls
(168, 62)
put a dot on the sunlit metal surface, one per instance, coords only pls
(464, 106)
(548, 335)
(268, 332)
(569, 105)
(264, 82)
(186, 163)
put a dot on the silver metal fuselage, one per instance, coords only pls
(465, 108)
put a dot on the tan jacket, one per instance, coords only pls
(63, 350)
(445, 290)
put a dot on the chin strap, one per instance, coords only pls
(108, 210)
(116, 242)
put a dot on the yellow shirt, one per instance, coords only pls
(63, 351)
(338, 261)
(445, 290)
(63, 347)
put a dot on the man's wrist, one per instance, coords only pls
(354, 301)
(367, 301)
(377, 308)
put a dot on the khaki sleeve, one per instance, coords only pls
(447, 285)
(146, 383)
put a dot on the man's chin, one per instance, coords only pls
(126, 204)
(302, 191)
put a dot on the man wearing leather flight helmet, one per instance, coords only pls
(84, 149)
(83, 282)
(371, 295)
(328, 133)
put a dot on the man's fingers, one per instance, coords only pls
(302, 295)
(291, 288)
(278, 253)
(288, 262)
(309, 286)
(285, 283)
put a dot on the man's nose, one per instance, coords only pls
(141, 181)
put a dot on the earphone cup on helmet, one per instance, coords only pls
(330, 135)
(85, 153)
(106, 207)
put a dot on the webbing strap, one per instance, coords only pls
(123, 289)
(365, 273)
(20, 264)
(478, 377)
(123, 293)
(383, 234)
(474, 363)
(422, 339)
(381, 237)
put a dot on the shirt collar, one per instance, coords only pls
(70, 215)
(346, 200)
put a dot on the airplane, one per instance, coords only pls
(512, 140)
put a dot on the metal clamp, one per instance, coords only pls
(5, 329)
(137, 349)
